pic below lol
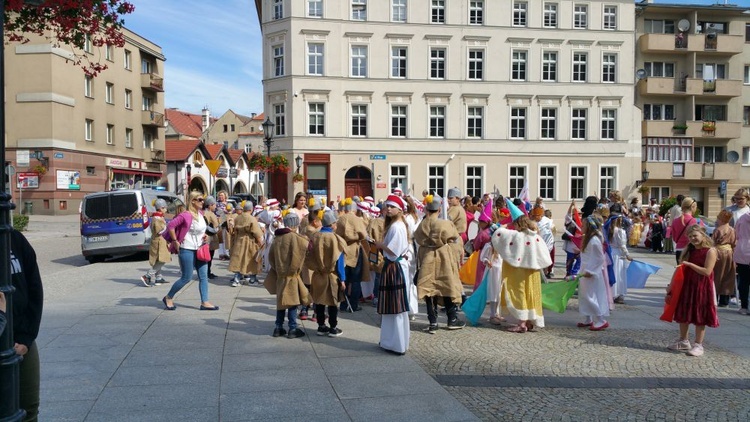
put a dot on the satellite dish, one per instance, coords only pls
(640, 74)
(683, 25)
(733, 156)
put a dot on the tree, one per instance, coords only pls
(69, 22)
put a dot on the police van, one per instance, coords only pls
(116, 223)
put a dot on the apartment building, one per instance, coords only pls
(430, 94)
(694, 82)
(68, 134)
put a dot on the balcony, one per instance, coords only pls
(157, 156)
(667, 86)
(722, 88)
(691, 171)
(152, 118)
(717, 129)
(720, 44)
(662, 43)
(152, 81)
(661, 129)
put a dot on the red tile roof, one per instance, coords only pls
(187, 124)
(182, 149)
(235, 154)
(214, 150)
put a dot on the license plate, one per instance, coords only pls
(92, 239)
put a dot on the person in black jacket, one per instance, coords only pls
(27, 316)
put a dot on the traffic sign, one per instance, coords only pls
(213, 166)
(221, 172)
(233, 172)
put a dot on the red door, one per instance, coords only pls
(358, 181)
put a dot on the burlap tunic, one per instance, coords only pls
(353, 230)
(376, 231)
(286, 257)
(309, 231)
(158, 250)
(247, 239)
(439, 253)
(213, 221)
(457, 216)
(322, 260)
(724, 270)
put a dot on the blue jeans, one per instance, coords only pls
(292, 314)
(573, 263)
(189, 262)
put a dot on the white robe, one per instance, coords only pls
(619, 263)
(593, 300)
(495, 270)
(411, 226)
(394, 328)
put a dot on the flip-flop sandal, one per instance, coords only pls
(518, 329)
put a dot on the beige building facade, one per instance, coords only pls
(426, 94)
(693, 85)
(68, 134)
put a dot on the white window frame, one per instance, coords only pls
(109, 52)
(609, 124)
(358, 61)
(475, 71)
(399, 11)
(746, 77)
(109, 93)
(604, 191)
(472, 179)
(609, 68)
(399, 121)
(609, 17)
(128, 138)
(745, 156)
(578, 64)
(476, 12)
(659, 69)
(439, 117)
(575, 121)
(515, 191)
(279, 119)
(319, 112)
(550, 19)
(277, 12)
(552, 120)
(437, 11)
(580, 16)
(314, 8)
(519, 67)
(359, 10)
(88, 130)
(549, 66)
(128, 60)
(472, 116)
(148, 140)
(520, 11)
(315, 59)
(583, 179)
(88, 86)
(437, 63)
(398, 180)
(545, 179)
(399, 61)
(128, 99)
(87, 44)
(518, 122)
(649, 108)
(110, 134)
(433, 179)
(277, 62)
(362, 117)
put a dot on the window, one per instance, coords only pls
(87, 44)
(88, 86)
(147, 66)
(279, 119)
(226, 128)
(658, 26)
(519, 13)
(578, 124)
(359, 10)
(710, 112)
(315, 59)
(436, 180)
(147, 103)
(580, 16)
(128, 138)
(547, 182)
(315, 8)
(278, 9)
(398, 121)
(476, 12)
(606, 181)
(474, 122)
(89, 130)
(474, 181)
(316, 118)
(359, 61)
(580, 61)
(476, 62)
(437, 63)
(549, 66)
(517, 123)
(399, 11)
(398, 62)
(109, 52)
(278, 60)
(746, 115)
(609, 123)
(746, 156)
(550, 15)
(359, 120)
(549, 123)
(518, 65)
(128, 99)
(609, 68)
(746, 78)
(437, 11)
(675, 150)
(709, 154)
(517, 181)
(148, 140)
(127, 60)
(110, 134)
(90, 171)
(659, 69)
(109, 93)
(660, 193)
(399, 178)
(577, 182)
(437, 121)
(658, 112)
(610, 17)
(710, 71)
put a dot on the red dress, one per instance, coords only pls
(697, 304)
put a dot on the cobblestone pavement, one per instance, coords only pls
(564, 373)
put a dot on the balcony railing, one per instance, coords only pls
(152, 118)
(157, 155)
(714, 129)
(684, 43)
(152, 81)
(691, 170)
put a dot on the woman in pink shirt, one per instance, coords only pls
(681, 224)
(742, 259)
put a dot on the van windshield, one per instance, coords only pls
(111, 206)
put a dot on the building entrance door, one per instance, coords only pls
(358, 181)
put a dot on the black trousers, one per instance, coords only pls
(743, 274)
(450, 308)
(333, 313)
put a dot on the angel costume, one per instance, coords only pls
(593, 300)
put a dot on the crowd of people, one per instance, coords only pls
(333, 258)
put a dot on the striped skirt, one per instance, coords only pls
(393, 294)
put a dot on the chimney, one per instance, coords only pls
(206, 118)
(252, 115)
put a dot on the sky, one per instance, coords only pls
(214, 50)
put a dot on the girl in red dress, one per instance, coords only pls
(697, 302)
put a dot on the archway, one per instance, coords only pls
(196, 183)
(221, 185)
(240, 187)
(358, 181)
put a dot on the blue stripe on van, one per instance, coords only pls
(112, 227)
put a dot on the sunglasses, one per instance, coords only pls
(199, 199)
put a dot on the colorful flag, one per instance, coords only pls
(474, 306)
(638, 273)
(555, 296)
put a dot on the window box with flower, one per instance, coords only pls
(709, 126)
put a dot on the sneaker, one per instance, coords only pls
(732, 300)
(696, 351)
(303, 314)
(211, 276)
(620, 300)
(160, 281)
(744, 311)
(680, 345)
(278, 332)
(146, 279)
(323, 330)
(412, 318)
(334, 332)
(295, 333)
(235, 283)
(456, 324)
(432, 329)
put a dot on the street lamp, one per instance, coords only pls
(268, 142)
(298, 161)
(644, 178)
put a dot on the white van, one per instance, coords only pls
(116, 223)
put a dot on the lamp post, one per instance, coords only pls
(268, 142)
(644, 178)
(298, 161)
